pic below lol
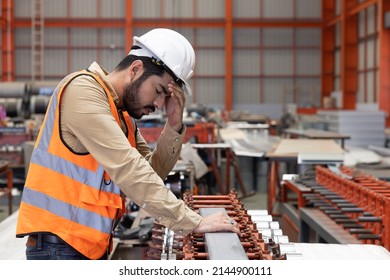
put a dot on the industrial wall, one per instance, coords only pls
(368, 54)
(271, 65)
(276, 49)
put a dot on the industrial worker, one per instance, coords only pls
(89, 154)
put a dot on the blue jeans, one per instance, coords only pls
(41, 250)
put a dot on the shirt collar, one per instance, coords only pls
(102, 73)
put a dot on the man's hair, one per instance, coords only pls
(150, 68)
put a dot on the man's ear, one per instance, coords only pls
(136, 69)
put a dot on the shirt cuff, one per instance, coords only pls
(188, 224)
(171, 133)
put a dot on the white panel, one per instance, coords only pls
(276, 89)
(82, 59)
(112, 9)
(246, 8)
(112, 37)
(210, 62)
(361, 24)
(247, 37)
(377, 59)
(308, 62)
(55, 62)
(277, 37)
(146, 8)
(56, 37)
(361, 54)
(337, 62)
(308, 92)
(337, 34)
(178, 9)
(377, 89)
(361, 88)
(338, 7)
(370, 87)
(278, 8)
(246, 91)
(308, 37)
(337, 85)
(309, 9)
(278, 62)
(246, 62)
(370, 53)
(189, 33)
(83, 9)
(371, 19)
(210, 91)
(140, 31)
(22, 62)
(211, 9)
(214, 37)
(23, 36)
(111, 58)
(55, 8)
(83, 37)
(22, 8)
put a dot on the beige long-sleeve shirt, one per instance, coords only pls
(88, 126)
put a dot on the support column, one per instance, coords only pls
(327, 49)
(8, 42)
(349, 55)
(129, 25)
(229, 55)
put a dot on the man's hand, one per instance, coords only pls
(217, 222)
(174, 106)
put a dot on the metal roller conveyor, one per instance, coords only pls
(356, 202)
(252, 244)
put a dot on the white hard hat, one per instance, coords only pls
(171, 50)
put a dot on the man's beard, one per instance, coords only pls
(131, 99)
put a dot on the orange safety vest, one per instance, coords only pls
(70, 194)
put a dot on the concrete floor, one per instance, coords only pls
(256, 201)
(4, 204)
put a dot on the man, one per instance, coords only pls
(89, 154)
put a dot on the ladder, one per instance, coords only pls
(37, 40)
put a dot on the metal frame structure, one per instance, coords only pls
(349, 72)
(347, 19)
(129, 23)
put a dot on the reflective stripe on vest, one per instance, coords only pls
(69, 191)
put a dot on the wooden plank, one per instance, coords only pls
(292, 147)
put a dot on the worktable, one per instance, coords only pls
(316, 134)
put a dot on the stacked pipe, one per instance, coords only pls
(362, 201)
(23, 99)
(261, 237)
